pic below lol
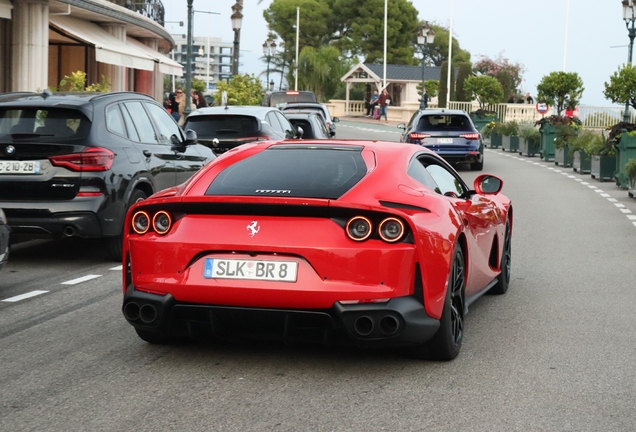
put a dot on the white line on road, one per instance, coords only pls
(119, 267)
(79, 280)
(24, 296)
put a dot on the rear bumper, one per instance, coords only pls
(401, 321)
(81, 224)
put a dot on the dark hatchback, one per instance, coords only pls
(72, 163)
(312, 124)
(449, 133)
(223, 128)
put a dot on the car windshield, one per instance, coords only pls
(282, 98)
(293, 171)
(298, 109)
(43, 124)
(222, 125)
(444, 122)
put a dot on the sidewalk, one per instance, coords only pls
(370, 120)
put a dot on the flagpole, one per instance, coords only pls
(450, 56)
(297, 34)
(565, 45)
(385, 25)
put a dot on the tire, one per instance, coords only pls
(477, 166)
(503, 280)
(154, 337)
(447, 342)
(115, 244)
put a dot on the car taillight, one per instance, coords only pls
(141, 222)
(359, 228)
(161, 222)
(470, 136)
(91, 159)
(292, 93)
(391, 230)
(417, 135)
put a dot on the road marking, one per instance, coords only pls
(598, 191)
(24, 296)
(80, 280)
(626, 211)
(631, 217)
(119, 267)
(619, 205)
(612, 199)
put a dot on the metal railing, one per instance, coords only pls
(152, 9)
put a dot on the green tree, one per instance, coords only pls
(509, 75)
(432, 88)
(443, 86)
(320, 70)
(622, 86)
(486, 89)
(465, 70)
(438, 50)
(242, 89)
(315, 19)
(198, 85)
(561, 90)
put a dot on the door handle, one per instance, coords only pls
(147, 153)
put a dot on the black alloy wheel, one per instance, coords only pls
(503, 280)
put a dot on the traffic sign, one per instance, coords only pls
(542, 108)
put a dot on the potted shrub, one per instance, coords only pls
(529, 139)
(496, 135)
(603, 158)
(623, 137)
(563, 153)
(561, 90)
(510, 136)
(488, 91)
(486, 132)
(630, 170)
(581, 160)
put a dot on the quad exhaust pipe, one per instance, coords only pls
(365, 325)
(147, 313)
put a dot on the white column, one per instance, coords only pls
(116, 75)
(30, 45)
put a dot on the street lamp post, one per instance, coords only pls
(628, 16)
(207, 74)
(237, 19)
(187, 109)
(268, 50)
(425, 37)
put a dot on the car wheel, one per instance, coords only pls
(503, 280)
(154, 337)
(447, 342)
(115, 244)
(477, 166)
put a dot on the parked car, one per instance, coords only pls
(449, 133)
(278, 98)
(72, 163)
(223, 128)
(315, 107)
(356, 242)
(4, 240)
(311, 123)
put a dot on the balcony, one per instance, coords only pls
(152, 9)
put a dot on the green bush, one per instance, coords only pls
(599, 146)
(630, 170)
(529, 133)
(509, 128)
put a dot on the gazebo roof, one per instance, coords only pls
(394, 73)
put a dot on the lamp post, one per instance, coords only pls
(187, 110)
(268, 50)
(628, 16)
(425, 37)
(207, 79)
(237, 20)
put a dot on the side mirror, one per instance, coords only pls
(401, 126)
(335, 119)
(299, 132)
(487, 184)
(191, 137)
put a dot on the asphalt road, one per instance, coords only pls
(555, 353)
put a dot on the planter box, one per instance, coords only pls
(527, 148)
(483, 121)
(505, 142)
(626, 150)
(562, 157)
(582, 162)
(602, 168)
(495, 140)
(548, 134)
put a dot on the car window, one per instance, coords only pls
(412, 120)
(165, 123)
(448, 184)
(317, 110)
(142, 122)
(287, 127)
(49, 123)
(418, 172)
(274, 123)
(444, 122)
(291, 96)
(114, 120)
(307, 129)
(323, 126)
(130, 126)
(223, 125)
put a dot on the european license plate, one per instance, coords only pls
(219, 268)
(19, 167)
(444, 140)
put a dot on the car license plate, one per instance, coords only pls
(220, 268)
(444, 140)
(19, 167)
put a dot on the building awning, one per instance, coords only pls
(5, 9)
(108, 49)
(166, 64)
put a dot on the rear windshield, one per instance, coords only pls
(43, 124)
(223, 125)
(292, 109)
(282, 98)
(293, 171)
(444, 122)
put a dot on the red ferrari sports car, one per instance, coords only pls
(356, 242)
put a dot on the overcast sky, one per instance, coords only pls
(528, 32)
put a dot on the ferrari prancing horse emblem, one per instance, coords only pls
(253, 228)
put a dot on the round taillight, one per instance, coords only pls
(391, 229)
(141, 222)
(359, 228)
(161, 222)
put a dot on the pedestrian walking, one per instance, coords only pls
(373, 103)
(529, 99)
(384, 101)
(425, 98)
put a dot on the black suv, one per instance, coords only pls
(72, 163)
